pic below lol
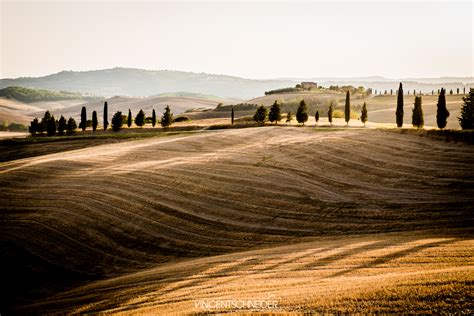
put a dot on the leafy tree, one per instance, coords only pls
(62, 124)
(316, 117)
(140, 118)
(466, 120)
(129, 118)
(71, 126)
(289, 117)
(167, 117)
(399, 112)
(275, 113)
(330, 114)
(34, 127)
(417, 117)
(302, 113)
(363, 114)
(83, 123)
(95, 122)
(442, 112)
(117, 121)
(51, 126)
(153, 118)
(106, 115)
(232, 116)
(260, 115)
(347, 108)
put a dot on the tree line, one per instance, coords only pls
(52, 126)
(466, 118)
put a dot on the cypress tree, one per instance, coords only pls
(95, 122)
(71, 126)
(51, 126)
(83, 123)
(399, 112)
(232, 116)
(302, 113)
(466, 120)
(316, 117)
(451, 92)
(464, 90)
(167, 117)
(347, 108)
(289, 117)
(117, 121)
(363, 114)
(414, 92)
(330, 114)
(417, 116)
(153, 118)
(140, 119)
(260, 115)
(457, 91)
(391, 91)
(62, 124)
(275, 113)
(106, 115)
(442, 112)
(43, 126)
(34, 127)
(129, 118)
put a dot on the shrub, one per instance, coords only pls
(167, 117)
(117, 121)
(140, 118)
(302, 113)
(182, 119)
(34, 127)
(275, 113)
(260, 115)
(71, 126)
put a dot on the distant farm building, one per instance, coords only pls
(309, 85)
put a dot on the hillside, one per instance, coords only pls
(177, 103)
(29, 95)
(157, 205)
(138, 83)
(141, 83)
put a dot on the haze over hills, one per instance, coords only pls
(139, 82)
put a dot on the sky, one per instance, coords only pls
(248, 39)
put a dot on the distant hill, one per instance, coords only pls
(137, 82)
(143, 83)
(29, 95)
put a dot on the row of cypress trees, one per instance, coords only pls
(274, 115)
(466, 119)
(50, 125)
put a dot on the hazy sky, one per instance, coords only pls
(248, 39)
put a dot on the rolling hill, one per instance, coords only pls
(141, 225)
(143, 83)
